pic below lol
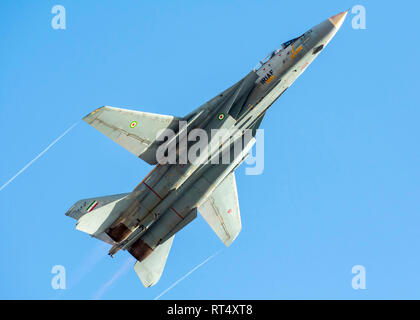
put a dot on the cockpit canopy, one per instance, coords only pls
(304, 37)
(288, 43)
(284, 45)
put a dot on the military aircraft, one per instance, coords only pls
(145, 221)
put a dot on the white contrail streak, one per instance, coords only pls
(124, 268)
(92, 259)
(37, 157)
(187, 274)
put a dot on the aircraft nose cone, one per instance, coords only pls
(338, 19)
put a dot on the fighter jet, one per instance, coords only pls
(144, 222)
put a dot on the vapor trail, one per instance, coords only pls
(124, 268)
(187, 274)
(92, 259)
(37, 157)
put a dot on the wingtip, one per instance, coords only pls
(89, 117)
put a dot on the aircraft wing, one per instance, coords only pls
(135, 131)
(221, 210)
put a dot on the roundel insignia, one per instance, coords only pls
(221, 116)
(133, 124)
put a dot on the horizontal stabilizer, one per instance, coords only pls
(221, 210)
(135, 131)
(150, 270)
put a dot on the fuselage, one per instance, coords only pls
(167, 199)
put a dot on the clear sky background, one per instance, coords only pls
(341, 181)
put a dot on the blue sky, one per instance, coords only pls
(341, 180)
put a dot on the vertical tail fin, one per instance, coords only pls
(95, 215)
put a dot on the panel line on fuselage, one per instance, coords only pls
(173, 209)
